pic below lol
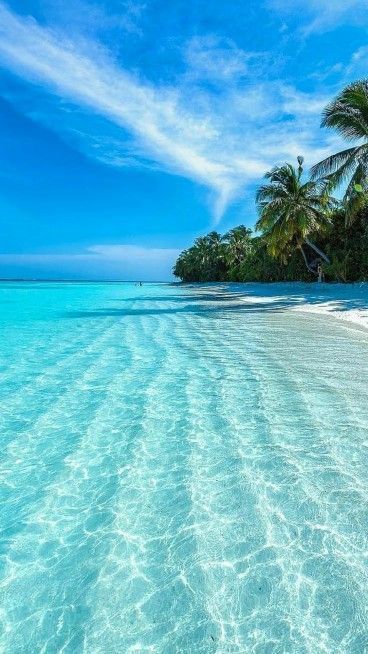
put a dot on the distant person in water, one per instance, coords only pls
(321, 276)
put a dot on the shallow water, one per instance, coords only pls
(180, 473)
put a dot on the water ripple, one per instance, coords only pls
(179, 476)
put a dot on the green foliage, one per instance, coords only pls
(238, 246)
(291, 209)
(204, 261)
(346, 246)
(294, 213)
(260, 266)
(348, 115)
(252, 263)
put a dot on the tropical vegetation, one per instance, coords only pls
(348, 114)
(301, 228)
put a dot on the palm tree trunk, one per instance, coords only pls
(305, 259)
(316, 249)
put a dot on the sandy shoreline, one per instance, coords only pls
(347, 302)
(352, 316)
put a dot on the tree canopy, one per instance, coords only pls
(348, 115)
(302, 227)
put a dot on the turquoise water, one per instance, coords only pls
(180, 472)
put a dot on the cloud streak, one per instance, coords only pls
(323, 15)
(223, 140)
(161, 128)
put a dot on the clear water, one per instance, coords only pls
(180, 472)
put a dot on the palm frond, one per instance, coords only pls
(354, 200)
(348, 112)
(290, 210)
(332, 163)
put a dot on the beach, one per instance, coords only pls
(346, 302)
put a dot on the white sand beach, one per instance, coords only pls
(347, 302)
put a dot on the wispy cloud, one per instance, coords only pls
(357, 67)
(113, 261)
(117, 252)
(322, 15)
(223, 140)
(298, 103)
(216, 59)
(341, 73)
(162, 129)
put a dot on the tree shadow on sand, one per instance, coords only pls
(221, 299)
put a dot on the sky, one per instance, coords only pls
(128, 128)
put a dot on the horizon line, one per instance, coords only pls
(83, 281)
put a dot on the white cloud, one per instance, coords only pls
(218, 60)
(357, 67)
(223, 140)
(94, 253)
(90, 16)
(353, 69)
(322, 15)
(98, 261)
(322, 74)
(161, 128)
(298, 103)
(329, 14)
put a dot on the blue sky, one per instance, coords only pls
(129, 128)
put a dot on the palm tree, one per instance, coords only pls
(187, 266)
(238, 244)
(291, 210)
(203, 249)
(204, 261)
(348, 114)
(209, 247)
(214, 240)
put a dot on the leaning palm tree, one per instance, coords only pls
(348, 114)
(290, 210)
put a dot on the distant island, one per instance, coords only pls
(303, 232)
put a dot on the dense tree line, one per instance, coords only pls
(302, 230)
(346, 247)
